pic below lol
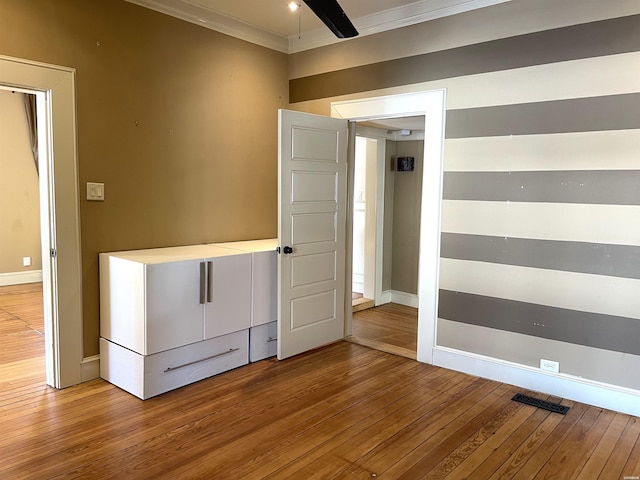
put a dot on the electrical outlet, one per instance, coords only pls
(549, 365)
(26, 261)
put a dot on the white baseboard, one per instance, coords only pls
(383, 297)
(406, 299)
(90, 368)
(602, 395)
(18, 278)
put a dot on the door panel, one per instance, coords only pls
(312, 221)
(313, 187)
(314, 144)
(308, 269)
(313, 228)
(313, 309)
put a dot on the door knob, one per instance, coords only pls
(287, 250)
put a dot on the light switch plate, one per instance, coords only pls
(95, 191)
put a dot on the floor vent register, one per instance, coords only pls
(536, 402)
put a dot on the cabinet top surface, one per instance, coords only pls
(174, 254)
(263, 245)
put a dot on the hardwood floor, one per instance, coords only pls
(390, 327)
(21, 336)
(340, 412)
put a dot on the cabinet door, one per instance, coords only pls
(228, 307)
(264, 302)
(174, 312)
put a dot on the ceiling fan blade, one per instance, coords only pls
(331, 13)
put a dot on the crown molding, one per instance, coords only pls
(404, 16)
(411, 14)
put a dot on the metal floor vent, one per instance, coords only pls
(536, 402)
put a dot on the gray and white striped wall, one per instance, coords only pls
(540, 220)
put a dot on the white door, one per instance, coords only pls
(312, 184)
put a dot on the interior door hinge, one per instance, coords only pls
(54, 253)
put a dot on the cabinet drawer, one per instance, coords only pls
(151, 375)
(263, 341)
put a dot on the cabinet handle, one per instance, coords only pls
(231, 350)
(202, 282)
(209, 282)
(272, 339)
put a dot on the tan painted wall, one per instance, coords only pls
(406, 219)
(19, 198)
(178, 121)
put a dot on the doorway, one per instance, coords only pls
(431, 104)
(61, 266)
(391, 149)
(21, 307)
(364, 223)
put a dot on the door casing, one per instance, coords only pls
(431, 104)
(54, 87)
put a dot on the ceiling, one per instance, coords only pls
(270, 22)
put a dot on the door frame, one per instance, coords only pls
(54, 87)
(431, 104)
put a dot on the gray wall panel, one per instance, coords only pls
(610, 112)
(581, 257)
(619, 334)
(611, 187)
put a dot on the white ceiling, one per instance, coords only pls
(270, 22)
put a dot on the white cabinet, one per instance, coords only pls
(264, 290)
(173, 300)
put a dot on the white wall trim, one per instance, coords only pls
(385, 297)
(405, 15)
(406, 299)
(90, 367)
(402, 16)
(599, 394)
(19, 278)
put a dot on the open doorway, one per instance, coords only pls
(431, 104)
(54, 88)
(22, 352)
(22, 358)
(387, 196)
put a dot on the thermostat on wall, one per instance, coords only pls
(404, 164)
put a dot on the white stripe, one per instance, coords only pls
(604, 365)
(614, 224)
(574, 291)
(584, 78)
(555, 81)
(610, 150)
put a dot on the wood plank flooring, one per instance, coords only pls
(21, 336)
(391, 328)
(340, 412)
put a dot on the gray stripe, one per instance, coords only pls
(596, 39)
(581, 257)
(618, 334)
(609, 187)
(612, 112)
